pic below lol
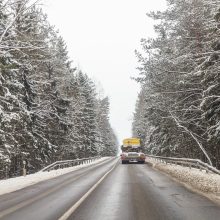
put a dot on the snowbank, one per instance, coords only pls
(17, 183)
(207, 184)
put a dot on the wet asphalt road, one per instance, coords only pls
(129, 192)
(138, 192)
(49, 200)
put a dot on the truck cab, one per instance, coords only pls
(131, 151)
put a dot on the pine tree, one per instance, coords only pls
(108, 141)
(172, 71)
(48, 110)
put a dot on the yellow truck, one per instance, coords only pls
(131, 151)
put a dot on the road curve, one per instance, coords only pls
(128, 192)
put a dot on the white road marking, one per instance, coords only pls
(32, 200)
(70, 211)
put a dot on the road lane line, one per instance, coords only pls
(70, 211)
(30, 201)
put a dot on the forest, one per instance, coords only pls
(178, 108)
(49, 109)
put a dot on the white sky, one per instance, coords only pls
(101, 37)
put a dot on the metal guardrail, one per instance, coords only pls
(68, 163)
(186, 162)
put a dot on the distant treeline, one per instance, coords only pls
(178, 109)
(49, 110)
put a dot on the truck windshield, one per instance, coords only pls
(130, 149)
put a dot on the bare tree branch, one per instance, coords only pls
(193, 136)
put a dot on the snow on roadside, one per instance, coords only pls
(207, 184)
(20, 182)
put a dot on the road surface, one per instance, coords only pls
(128, 192)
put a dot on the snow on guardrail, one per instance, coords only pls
(186, 162)
(69, 163)
(16, 183)
(198, 180)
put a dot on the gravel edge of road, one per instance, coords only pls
(189, 181)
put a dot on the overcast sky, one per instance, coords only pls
(101, 37)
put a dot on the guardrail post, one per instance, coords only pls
(198, 166)
(24, 168)
(6, 171)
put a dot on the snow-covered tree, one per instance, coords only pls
(48, 109)
(108, 141)
(173, 67)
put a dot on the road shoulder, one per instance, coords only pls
(200, 182)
